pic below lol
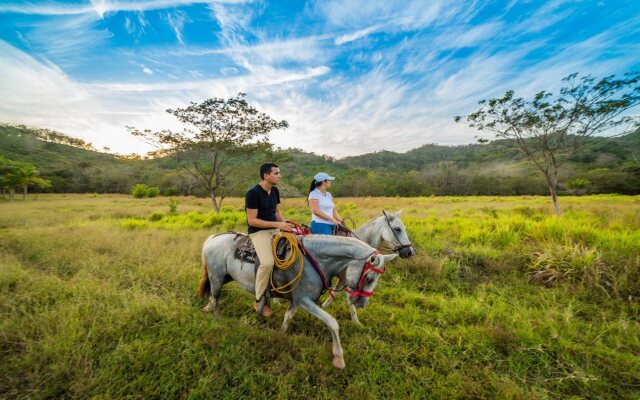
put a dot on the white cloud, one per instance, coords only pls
(42, 95)
(177, 20)
(346, 38)
(228, 71)
(101, 7)
(395, 97)
(66, 37)
(98, 112)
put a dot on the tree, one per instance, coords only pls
(549, 129)
(5, 170)
(219, 136)
(15, 174)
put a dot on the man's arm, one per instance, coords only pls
(286, 226)
(253, 220)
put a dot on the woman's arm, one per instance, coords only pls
(315, 209)
(336, 216)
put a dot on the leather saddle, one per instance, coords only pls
(245, 251)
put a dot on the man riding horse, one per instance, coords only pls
(264, 219)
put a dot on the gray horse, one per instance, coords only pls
(360, 264)
(387, 228)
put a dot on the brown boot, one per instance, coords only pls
(266, 310)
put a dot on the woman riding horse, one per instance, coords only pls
(324, 217)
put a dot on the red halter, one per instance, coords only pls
(354, 294)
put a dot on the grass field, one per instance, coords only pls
(504, 300)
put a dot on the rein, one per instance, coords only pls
(302, 231)
(300, 250)
(316, 266)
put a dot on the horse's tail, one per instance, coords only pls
(204, 286)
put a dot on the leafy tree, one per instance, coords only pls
(549, 129)
(219, 136)
(5, 170)
(14, 174)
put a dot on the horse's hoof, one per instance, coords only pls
(339, 363)
(206, 309)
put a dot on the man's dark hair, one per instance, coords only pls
(265, 169)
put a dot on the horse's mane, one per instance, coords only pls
(338, 240)
(371, 221)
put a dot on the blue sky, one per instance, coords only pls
(351, 77)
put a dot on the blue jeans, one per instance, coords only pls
(318, 228)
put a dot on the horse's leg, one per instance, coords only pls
(288, 316)
(329, 301)
(352, 310)
(216, 283)
(332, 324)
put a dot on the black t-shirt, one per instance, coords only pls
(265, 203)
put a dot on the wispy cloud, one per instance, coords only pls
(101, 7)
(100, 111)
(135, 25)
(346, 38)
(67, 37)
(350, 77)
(303, 49)
(176, 21)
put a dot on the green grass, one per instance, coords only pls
(98, 300)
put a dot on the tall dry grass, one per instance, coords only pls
(504, 300)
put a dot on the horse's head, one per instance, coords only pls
(362, 277)
(395, 233)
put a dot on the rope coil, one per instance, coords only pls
(287, 262)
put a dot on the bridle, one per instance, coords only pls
(359, 291)
(401, 246)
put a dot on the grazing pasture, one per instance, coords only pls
(504, 300)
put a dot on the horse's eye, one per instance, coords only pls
(397, 230)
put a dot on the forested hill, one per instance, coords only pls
(595, 153)
(604, 165)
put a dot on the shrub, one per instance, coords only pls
(141, 190)
(133, 224)
(213, 220)
(156, 216)
(170, 191)
(153, 192)
(173, 206)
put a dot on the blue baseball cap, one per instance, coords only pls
(321, 177)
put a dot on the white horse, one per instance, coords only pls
(358, 263)
(387, 228)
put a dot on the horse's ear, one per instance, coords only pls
(388, 215)
(397, 214)
(389, 257)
